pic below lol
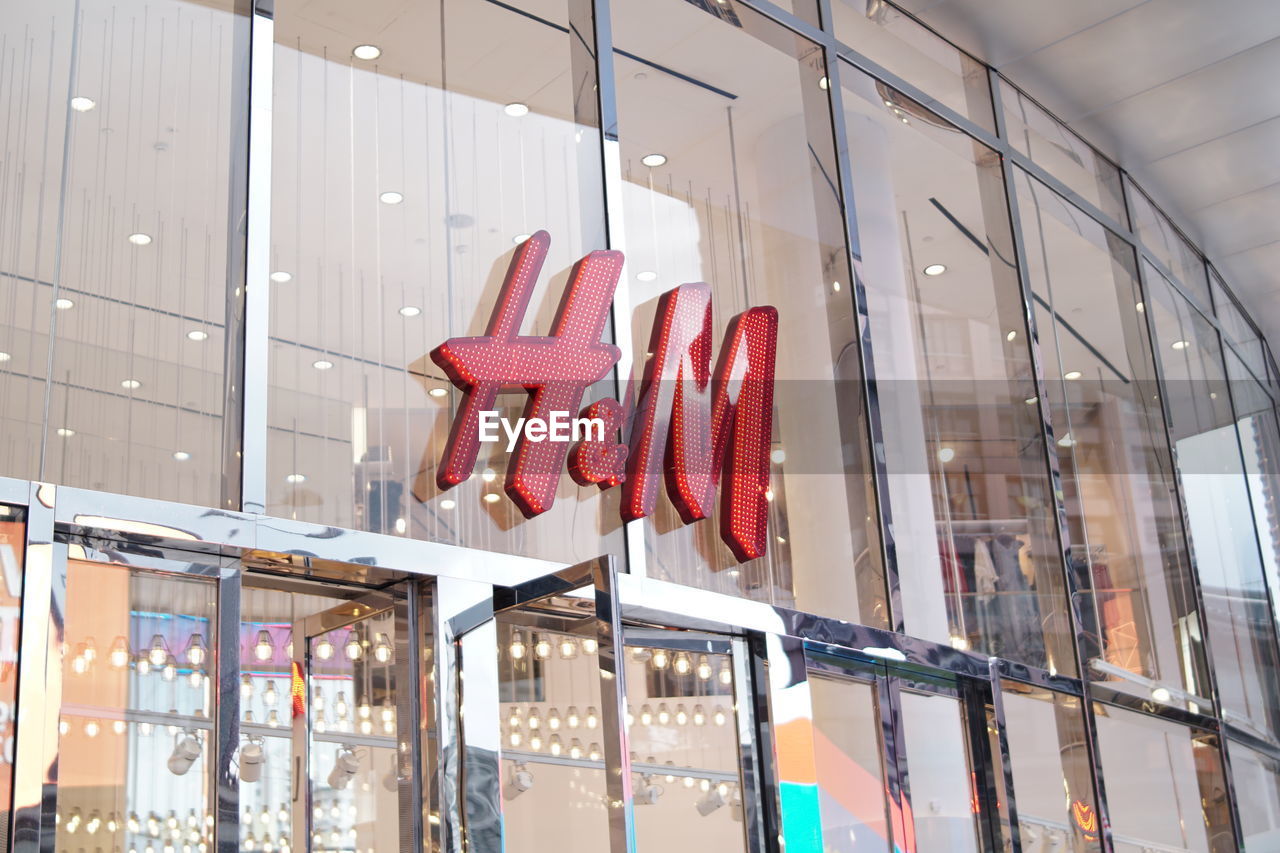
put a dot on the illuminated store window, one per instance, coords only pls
(1164, 784)
(1127, 557)
(1218, 511)
(904, 46)
(1256, 784)
(125, 121)
(136, 733)
(12, 556)
(973, 509)
(729, 180)
(1052, 782)
(397, 200)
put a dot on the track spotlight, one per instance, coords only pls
(521, 780)
(647, 793)
(712, 801)
(252, 757)
(186, 749)
(345, 767)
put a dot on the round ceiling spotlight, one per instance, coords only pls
(946, 454)
(181, 455)
(197, 335)
(935, 269)
(82, 104)
(62, 304)
(646, 275)
(1180, 345)
(391, 197)
(296, 478)
(410, 311)
(519, 238)
(322, 364)
(63, 432)
(280, 276)
(140, 239)
(654, 160)
(1072, 374)
(131, 384)
(367, 52)
(4, 356)
(438, 392)
(516, 110)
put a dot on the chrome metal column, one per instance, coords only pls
(789, 789)
(226, 733)
(611, 657)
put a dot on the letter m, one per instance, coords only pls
(701, 428)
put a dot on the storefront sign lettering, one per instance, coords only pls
(691, 426)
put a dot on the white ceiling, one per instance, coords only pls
(1181, 93)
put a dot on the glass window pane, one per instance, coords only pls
(1052, 782)
(1240, 333)
(1128, 560)
(396, 204)
(905, 47)
(13, 550)
(1164, 784)
(939, 774)
(1256, 784)
(1160, 237)
(682, 729)
(1218, 509)
(745, 201)
(136, 735)
(850, 770)
(1050, 144)
(967, 475)
(121, 219)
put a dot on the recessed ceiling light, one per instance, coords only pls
(1161, 694)
(491, 497)
(181, 455)
(946, 454)
(646, 275)
(65, 433)
(410, 311)
(140, 239)
(488, 475)
(130, 384)
(1180, 345)
(322, 364)
(82, 104)
(366, 52)
(438, 392)
(824, 84)
(935, 269)
(1140, 307)
(296, 478)
(1066, 441)
(778, 456)
(517, 109)
(1031, 401)
(391, 197)
(448, 503)
(835, 287)
(1012, 334)
(1072, 374)
(197, 335)
(280, 276)
(4, 356)
(519, 238)
(654, 160)
(62, 304)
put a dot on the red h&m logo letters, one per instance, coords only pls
(693, 427)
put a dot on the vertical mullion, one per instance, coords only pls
(227, 719)
(611, 660)
(750, 747)
(894, 757)
(1004, 758)
(784, 698)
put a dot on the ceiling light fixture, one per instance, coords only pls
(935, 269)
(63, 432)
(181, 455)
(946, 454)
(131, 384)
(322, 364)
(62, 304)
(439, 392)
(81, 104)
(140, 239)
(410, 311)
(296, 478)
(1072, 374)
(197, 335)
(448, 503)
(516, 109)
(367, 52)
(1011, 336)
(654, 160)
(491, 497)
(646, 275)
(519, 238)
(4, 356)
(391, 197)
(185, 752)
(1180, 345)
(280, 276)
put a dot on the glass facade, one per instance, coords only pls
(933, 505)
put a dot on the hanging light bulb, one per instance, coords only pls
(726, 675)
(639, 653)
(288, 646)
(554, 746)
(79, 663)
(534, 721)
(133, 823)
(682, 716)
(568, 648)
(553, 720)
(646, 715)
(388, 713)
(319, 724)
(590, 645)
(324, 648)
(515, 737)
(575, 749)
(92, 727)
(517, 649)
(63, 727)
(593, 719)
(273, 718)
(382, 648)
(90, 650)
(363, 710)
(704, 785)
(145, 729)
(119, 656)
(542, 648)
(535, 741)
(720, 717)
(170, 671)
(264, 649)
(704, 668)
(158, 651)
(119, 726)
(196, 651)
(112, 823)
(246, 687)
(660, 659)
(317, 699)
(340, 705)
(196, 678)
(631, 716)
(699, 716)
(688, 781)
(664, 714)
(270, 696)
(571, 718)
(682, 665)
(593, 751)
(353, 649)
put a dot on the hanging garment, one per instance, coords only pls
(1020, 628)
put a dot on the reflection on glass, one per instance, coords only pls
(1239, 332)
(850, 771)
(1164, 783)
(968, 482)
(1051, 145)
(1218, 510)
(124, 122)
(12, 555)
(1127, 557)
(940, 777)
(1260, 443)
(684, 738)
(729, 180)
(135, 730)
(1256, 784)
(1160, 237)
(905, 47)
(1052, 782)
(397, 200)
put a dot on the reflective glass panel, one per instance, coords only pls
(903, 46)
(1050, 144)
(135, 730)
(850, 770)
(972, 505)
(13, 549)
(1240, 333)
(683, 731)
(939, 774)
(1163, 240)
(1218, 510)
(1052, 783)
(1127, 558)
(1164, 784)
(125, 142)
(1256, 784)
(728, 171)
(397, 201)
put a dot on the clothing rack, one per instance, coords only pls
(990, 526)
